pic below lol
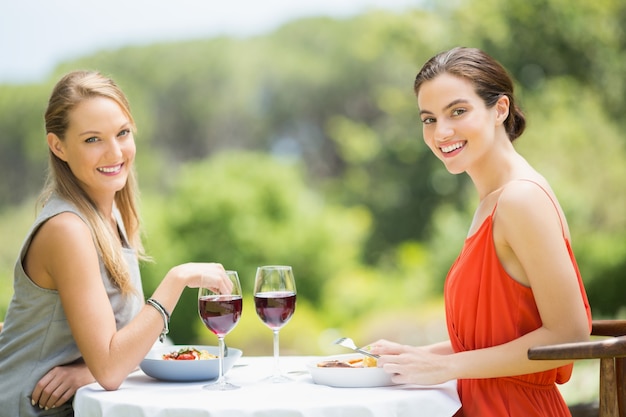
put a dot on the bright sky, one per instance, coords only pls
(36, 35)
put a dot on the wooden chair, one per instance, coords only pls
(612, 353)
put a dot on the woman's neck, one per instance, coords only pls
(498, 167)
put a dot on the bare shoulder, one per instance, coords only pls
(57, 245)
(526, 204)
(67, 236)
(527, 195)
(65, 228)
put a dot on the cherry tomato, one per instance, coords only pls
(186, 357)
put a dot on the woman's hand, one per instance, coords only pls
(410, 364)
(60, 384)
(206, 275)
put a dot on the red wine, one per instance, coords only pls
(275, 308)
(220, 313)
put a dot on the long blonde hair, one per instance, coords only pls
(71, 90)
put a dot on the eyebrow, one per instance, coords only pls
(125, 125)
(89, 132)
(451, 104)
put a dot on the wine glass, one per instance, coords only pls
(275, 302)
(220, 313)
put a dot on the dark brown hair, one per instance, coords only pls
(489, 78)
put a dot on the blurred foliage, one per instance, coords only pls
(303, 146)
(539, 39)
(14, 223)
(246, 210)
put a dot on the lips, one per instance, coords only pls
(110, 169)
(452, 147)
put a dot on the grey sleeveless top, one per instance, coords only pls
(36, 336)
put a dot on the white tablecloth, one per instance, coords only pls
(142, 396)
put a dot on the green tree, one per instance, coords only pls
(244, 210)
(540, 39)
(336, 95)
(22, 142)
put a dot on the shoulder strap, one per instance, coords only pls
(558, 213)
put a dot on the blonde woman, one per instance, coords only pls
(78, 312)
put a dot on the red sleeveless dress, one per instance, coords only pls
(486, 307)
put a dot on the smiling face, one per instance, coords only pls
(98, 147)
(458, 127)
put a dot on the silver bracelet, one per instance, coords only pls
(164, 313)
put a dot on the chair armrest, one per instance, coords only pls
(596, 349)
(608, 328)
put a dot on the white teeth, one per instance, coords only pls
(109, 170)
(452, 147)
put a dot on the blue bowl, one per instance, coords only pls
(185, 371)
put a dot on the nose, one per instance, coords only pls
(114, 149)
(443, 131)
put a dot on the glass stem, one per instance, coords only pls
(276, 354)
(221, 380)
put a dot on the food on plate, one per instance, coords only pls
(334, 364)
(369, 362)
(364, 362)
(188, 354)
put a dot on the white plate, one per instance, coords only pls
(198, 370)
(348, 377)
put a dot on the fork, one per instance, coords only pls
(348, 343)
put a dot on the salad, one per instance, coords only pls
(188, 354)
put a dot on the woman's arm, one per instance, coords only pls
(441, 348)
(60, 384)
(70, 265)
(415, 365)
